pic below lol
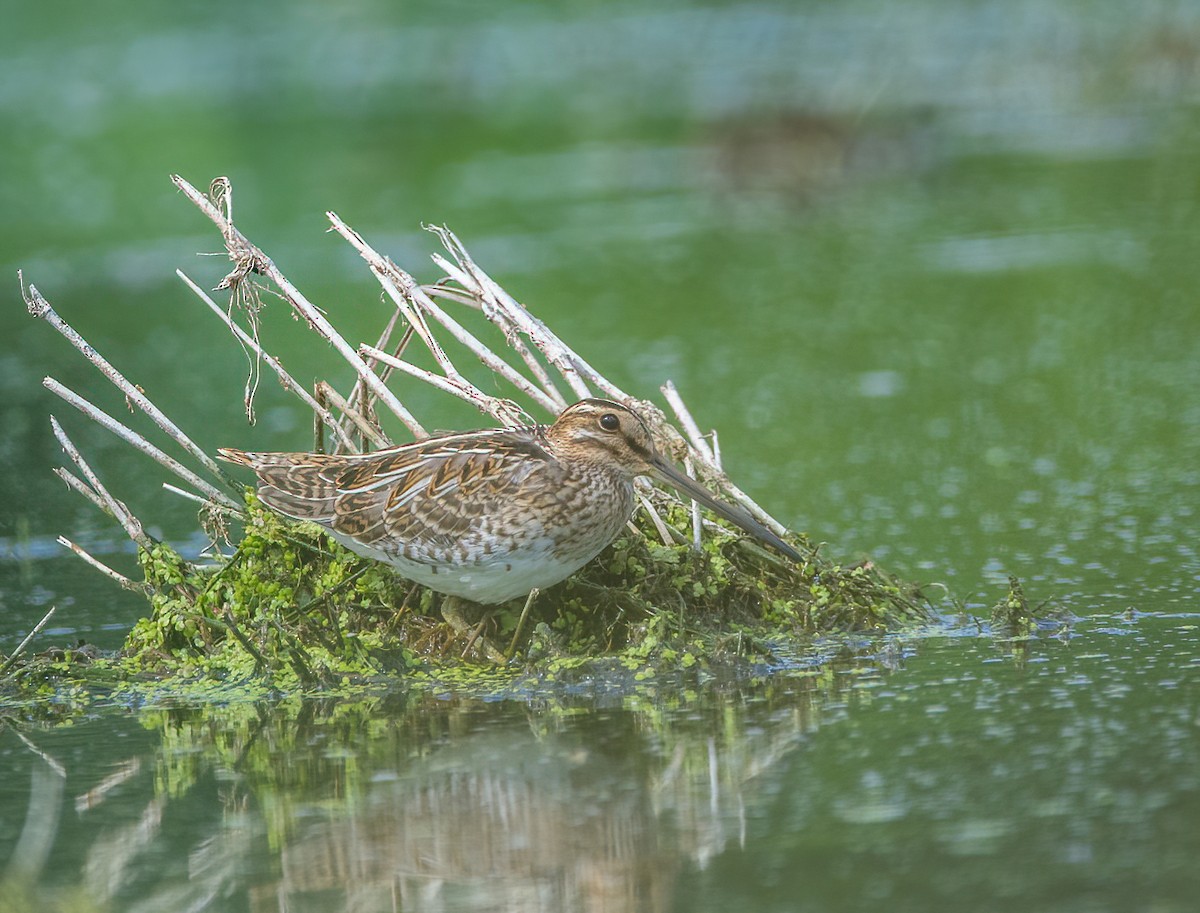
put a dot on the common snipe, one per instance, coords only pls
(486, 515)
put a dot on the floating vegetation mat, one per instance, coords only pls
(278, 605)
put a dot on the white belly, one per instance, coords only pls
(490, 580)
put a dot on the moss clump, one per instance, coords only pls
(675, 605)
(292, 611)
(297, 607)
(1014, 617)
(288, 605)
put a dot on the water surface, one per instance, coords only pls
(930, 271)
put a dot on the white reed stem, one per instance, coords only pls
(205, 502)
(25, 642)
(240, 249)
(103, 568)
(112, 506)
(690, 468)
(289, 382)
(127, 434)
(690, 428)
(660, 525)
(40, 307)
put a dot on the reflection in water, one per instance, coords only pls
(418, 804)
(1068, 769)
(41, 821)
(512, 824)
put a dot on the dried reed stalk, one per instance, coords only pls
(543, 362)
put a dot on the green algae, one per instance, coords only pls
(292, 612)
(1015, 618)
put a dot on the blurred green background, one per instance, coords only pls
(929, 268)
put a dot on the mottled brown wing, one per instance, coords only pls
(416, 499)
(302, 486)
(422, 502)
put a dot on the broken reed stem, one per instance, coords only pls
(250, 258)
(504, 411)
(508, 313)
(529, 600)
(80, 487)
(39, 307)
(691, 471)
(204, 502)
(664, 531)
(690, 428)
(122, 581)
(356, 418)
(26, 641)
(127, 434)
(412, 300)
(289, 382)
(112, 506)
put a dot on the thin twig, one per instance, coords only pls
(103, 568)
(203, 502)
(360, 421)
(239, 247)
(289, 382)
(127, 434)
(691, 471)
(512, 647)
(12, 657)
(40, 307)
(122, 514)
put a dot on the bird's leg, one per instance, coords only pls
(454, 613)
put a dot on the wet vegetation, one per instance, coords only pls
(291, 611)
(283, 609)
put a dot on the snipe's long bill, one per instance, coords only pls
(486, 515)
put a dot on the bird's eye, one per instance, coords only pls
(609, 422)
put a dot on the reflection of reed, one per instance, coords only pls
(41, 817)
(527, 834)
(508, 822)
(459, 807)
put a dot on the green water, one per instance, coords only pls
(932, 272)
